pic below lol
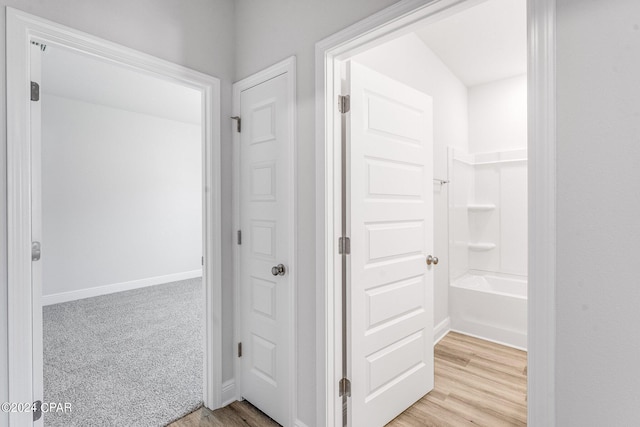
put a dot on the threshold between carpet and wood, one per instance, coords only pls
(131, 358)
(477, 383)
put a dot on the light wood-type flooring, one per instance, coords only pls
(477, 383)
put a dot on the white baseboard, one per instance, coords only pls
(299, 423)
(441, 330)
(481, 337)
(118, 287)
(228, 392)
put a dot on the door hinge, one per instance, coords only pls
(35, 91)
(238, 123)
(202, 261)
(239, 349)
(36, 251)
(344, 387)
(344, 103)
(344, 246)
(239, 237)
(37, 410)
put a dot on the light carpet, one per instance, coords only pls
(132, 358)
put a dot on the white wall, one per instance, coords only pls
(498, 115)
(197, 34)
(122, 198)
(598, 207)
(408, 60)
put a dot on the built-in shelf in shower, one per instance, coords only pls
(481, 207)
(481, 246)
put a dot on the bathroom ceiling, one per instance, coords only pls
(79, 76)
(484, 43)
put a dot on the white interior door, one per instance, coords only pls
(390, 146)
(265, 221)
(36, 228)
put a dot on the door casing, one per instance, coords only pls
(22, 29)
(287, 66)
(392, 22)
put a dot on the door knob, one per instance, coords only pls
(278, 270)
(432, 260)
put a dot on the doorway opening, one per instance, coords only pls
(471, 213)
(77, 131)
(121, 228)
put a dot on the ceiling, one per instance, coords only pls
(484, 43)
(79, 76)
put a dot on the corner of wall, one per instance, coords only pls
(229, 392)
(441, 330)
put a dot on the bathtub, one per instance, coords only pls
(490, 307)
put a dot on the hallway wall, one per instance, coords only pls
(598, 205)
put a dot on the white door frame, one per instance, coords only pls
(22, 28)
(287, 66)
(385, 25)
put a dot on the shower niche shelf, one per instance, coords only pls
(481, 246)
(481, 207)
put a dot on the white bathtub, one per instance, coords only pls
(490, 307)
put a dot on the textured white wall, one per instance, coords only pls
(498, 115)
(197, 34)
(121, 195)
(598, 206)
(408, 60)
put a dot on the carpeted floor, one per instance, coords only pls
(127, 359)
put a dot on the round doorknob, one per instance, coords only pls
(432, 260)
(278, 270)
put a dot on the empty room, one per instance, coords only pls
(121, 218)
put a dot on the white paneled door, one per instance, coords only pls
(265, 262)
(390, 222)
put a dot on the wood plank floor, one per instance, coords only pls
(477, 383)
(238, 414)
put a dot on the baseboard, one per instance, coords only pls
(480, 337)
(228, 392)
(118, 287)
(441, 330)
(298, 423)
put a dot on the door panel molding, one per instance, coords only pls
(394, 21)
(22, 28)
(288, 67)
